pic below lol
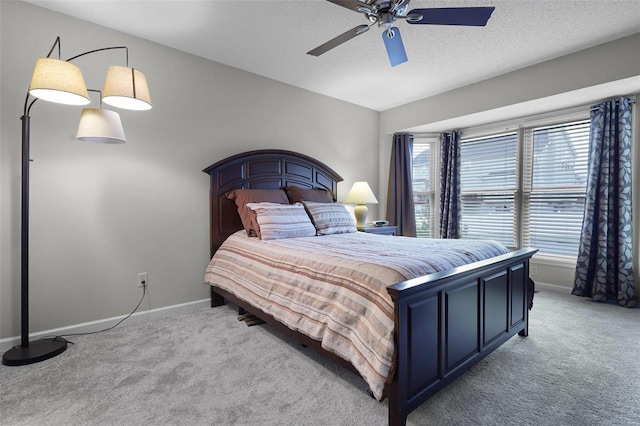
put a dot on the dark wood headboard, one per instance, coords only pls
(261, 169)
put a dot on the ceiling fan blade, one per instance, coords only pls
(395, 47)
(349, 4)
(470, 16)
(338, 40)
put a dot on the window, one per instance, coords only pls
(489, 185)
(555, 187)
(424, 192)
(526, 187)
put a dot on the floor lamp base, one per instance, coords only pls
(37, 351)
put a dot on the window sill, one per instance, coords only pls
(554, 260)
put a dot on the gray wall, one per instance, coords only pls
(600, 64)
(100, 214)
(586, 76)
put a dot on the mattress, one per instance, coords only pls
(332, 288)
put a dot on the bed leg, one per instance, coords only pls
(525, 331)
(397, 410)
(396, 417)
(216, 299)
(528, 305)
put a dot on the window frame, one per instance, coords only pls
(434, 172)
(520, 126)
(531, 191)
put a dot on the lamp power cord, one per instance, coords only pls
(63, 337)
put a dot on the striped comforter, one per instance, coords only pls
(333, 288)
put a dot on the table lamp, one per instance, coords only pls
(361, 195)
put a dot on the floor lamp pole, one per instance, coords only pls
(24, 232)
(38, 350)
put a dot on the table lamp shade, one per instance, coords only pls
(100, 126)
(58, 81)
(361, 193)
(126, 88)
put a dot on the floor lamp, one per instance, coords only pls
(60, 81)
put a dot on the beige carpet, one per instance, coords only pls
(580, 365)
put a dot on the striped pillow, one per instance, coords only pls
(277, 221)
(330, 218)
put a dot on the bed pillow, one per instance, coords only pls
(317, 195)
(330, 218)
(277, 221)
(244, 196)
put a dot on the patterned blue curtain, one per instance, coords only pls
(400, 207)
(450, 198)
(604, 267)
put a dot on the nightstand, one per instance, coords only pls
(382, 230)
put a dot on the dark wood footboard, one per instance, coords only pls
(445, 323)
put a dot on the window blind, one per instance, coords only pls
(489, 184)
(554, 186)
(524, 186)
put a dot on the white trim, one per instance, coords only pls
(540, 120)
(435, 178)
(88, 327)
(551, 287)
(554, 260)
(419, 135)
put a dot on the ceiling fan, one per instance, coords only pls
(385, 12)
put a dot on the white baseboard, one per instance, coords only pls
(553, 287)
(87, 327)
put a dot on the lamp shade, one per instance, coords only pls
(126, 88)
(58, 81)
(361, 193)
(100, 126)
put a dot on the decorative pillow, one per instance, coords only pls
(316, 195)
(277, 221)
(330, 218)
(244, 196)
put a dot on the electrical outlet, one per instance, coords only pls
(533, 270)
(143, 279)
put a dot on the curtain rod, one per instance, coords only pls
(633, 101)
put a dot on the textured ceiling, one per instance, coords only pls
(271, 38)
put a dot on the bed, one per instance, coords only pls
(443, 323)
